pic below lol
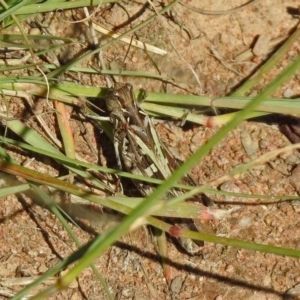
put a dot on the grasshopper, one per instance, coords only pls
(138, 148)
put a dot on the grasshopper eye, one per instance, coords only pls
(128, 86)
(115, 94)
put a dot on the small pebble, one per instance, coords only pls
(34, 31)
(292, 159)
(250, 145)
(288, 93)
(176, 284)
(293, 292)
(295, 179)
(261, 46)
(263, 143)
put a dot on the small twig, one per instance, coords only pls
(126, 40)
(216, 12)
(14, 61)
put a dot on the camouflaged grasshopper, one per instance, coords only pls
(138, 148)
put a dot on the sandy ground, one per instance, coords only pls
(32, 240)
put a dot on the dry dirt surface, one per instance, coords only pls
(210, 41)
